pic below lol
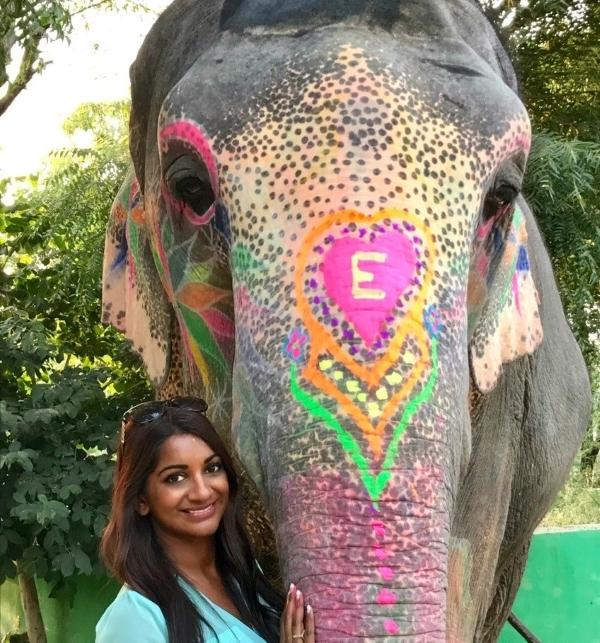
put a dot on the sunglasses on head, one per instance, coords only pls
(149, 411)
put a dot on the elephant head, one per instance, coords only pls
(325, 238)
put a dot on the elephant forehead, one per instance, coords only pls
(359, 135)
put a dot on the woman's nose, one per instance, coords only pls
(199, 489)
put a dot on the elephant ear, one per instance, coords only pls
(133, 299)
(509, 324)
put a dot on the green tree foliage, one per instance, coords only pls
(561, 184)
(65, 378)
(26, 25)
(556, 44)
(57, 230)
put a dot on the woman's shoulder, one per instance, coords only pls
(132, 618)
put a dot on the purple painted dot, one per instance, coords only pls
(319, 250)
(316, 300)
(313, 283)
(334, 322)
(353, 350)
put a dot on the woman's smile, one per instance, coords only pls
(201, 513)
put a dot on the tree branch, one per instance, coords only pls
(27, 70)
(94, 5)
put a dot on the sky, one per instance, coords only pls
(94, 66)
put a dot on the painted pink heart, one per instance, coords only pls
(365, 279)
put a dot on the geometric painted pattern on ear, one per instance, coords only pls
(132, 299)
(509, 324)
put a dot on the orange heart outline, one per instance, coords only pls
(372, 374)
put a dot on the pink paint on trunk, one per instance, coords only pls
(334, 541)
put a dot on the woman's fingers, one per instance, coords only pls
(309, 625)
(286, 618)
(297, 620)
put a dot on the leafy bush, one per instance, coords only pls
(65, 378)
(577, 504)
(561, 185)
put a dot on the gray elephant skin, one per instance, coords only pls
(324, 236)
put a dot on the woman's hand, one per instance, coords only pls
(297, 620)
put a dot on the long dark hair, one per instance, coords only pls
(133, 553)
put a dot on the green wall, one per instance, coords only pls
(559, 597)
(64, 624)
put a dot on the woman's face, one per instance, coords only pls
(187, 492)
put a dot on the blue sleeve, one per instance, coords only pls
(132, 618)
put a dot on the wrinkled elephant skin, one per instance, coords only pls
(326, 239)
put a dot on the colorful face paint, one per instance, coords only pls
(189, 255)
(361, 283)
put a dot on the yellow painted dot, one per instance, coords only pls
(337, 375)
(409, 358)
(362, 397)
(325, 364)
(393, 378)
(352, 386)
(373, 409)
(381, 393)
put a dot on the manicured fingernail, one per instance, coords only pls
(308, 609)
(291, 590)
(298, 595)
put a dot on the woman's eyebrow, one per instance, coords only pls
(172, 466)
(210, 457)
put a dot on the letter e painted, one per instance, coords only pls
(360, 277)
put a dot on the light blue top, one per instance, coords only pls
(133, 618)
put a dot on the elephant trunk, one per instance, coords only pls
(369, 569)
(367, 539)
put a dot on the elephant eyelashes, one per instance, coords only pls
(188, 181)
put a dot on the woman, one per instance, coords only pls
(176, 540)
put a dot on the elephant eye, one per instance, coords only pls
(505, 194)
(498, 199)
(506, 187)
(188, 181)
(197, 194)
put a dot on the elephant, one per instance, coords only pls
(324, 235)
